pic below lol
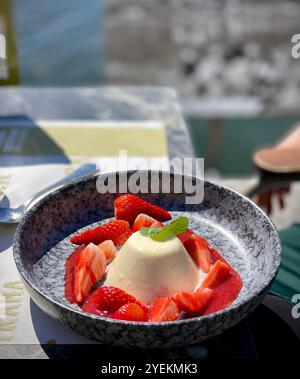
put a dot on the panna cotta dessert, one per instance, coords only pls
(149, 269)
(137, 268)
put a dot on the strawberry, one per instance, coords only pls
(130, 312)
(164, 309)
(218, 273)
(117, 230)
(108, 249)
(90, 266)
(193, 302)
(185, 235)
(157, 224)
(198, 249)
(128, 206)
(107, 300)
(70, 274)
(142, 220)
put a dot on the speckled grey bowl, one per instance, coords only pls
(230, 222)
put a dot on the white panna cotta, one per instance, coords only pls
(148, 269)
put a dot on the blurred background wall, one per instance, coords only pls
(230, 61)
(237, 50)
(208, 49)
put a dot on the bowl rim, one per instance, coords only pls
(277, 251)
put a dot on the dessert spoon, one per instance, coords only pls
(14, 215)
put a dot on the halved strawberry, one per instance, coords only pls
(198, 249)
(142, 220)
(109, 249)
(193, 302)
(128, 206)
(117, 230)
(107, 300)
(89, 268)
(157, 224)
(185, 235)
(70, 274)
(164, 309)
(130, 312)
(219, 272)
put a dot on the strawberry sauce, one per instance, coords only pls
(218, 290)
(225, 292)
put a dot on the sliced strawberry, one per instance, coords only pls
(164, 309)
(70, 274)
(198, 249)
(128, 206)
(193, 302)
(118, 231)
(107, 300)
(218, 273)
(157, 224)
(89, 268)
(185, 235)
(142, 220)
(109, 249)
(130, 312)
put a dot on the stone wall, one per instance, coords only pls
(207, 49)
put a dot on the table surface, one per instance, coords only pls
(113, 104)
(101, 104)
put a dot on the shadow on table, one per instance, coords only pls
(7, 232)
(23, 142)
(269, 333)
(274, 329)
(236, 343)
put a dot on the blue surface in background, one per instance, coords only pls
(59, 42)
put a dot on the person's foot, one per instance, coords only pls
(283, 158)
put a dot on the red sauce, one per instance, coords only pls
(225, 292)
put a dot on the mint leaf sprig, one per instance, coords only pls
(175, 228)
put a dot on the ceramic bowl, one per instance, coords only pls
(230, 222)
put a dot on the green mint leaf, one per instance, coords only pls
(147, 231)
(144, 231)
(176, 227)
